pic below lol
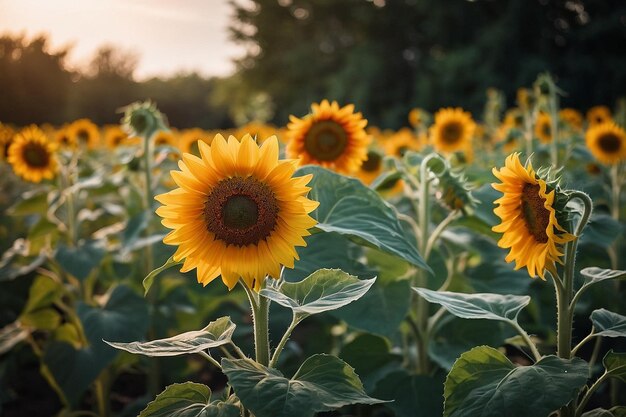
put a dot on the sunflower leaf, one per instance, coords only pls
(149, 279)
(217, 333)
(478, 306)
(484, 382)
(188, 399)
(594, 275)
(323, 290)
(608, 324)
(322, 383)
(615, 364)
(353, 210)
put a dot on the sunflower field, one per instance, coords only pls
(455, 268)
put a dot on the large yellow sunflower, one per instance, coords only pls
(238, 212)
(529, 224)
(543, 128)
(400, 142)
(607, 143)
(85, 133)
(598, 115)
(32, 155)
(330, 136)
(452, 131)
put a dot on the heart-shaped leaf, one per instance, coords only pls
(188, 400)
(323, 290)
(217, 333)
(615, 364)
(81, 260)
(609, 324)
(593, 274)
(483, 382)
(350, 208)
(322, 383)
(478, 306)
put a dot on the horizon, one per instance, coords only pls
(167, 38)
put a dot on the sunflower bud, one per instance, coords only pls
(143, 119)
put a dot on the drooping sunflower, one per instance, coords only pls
(572, 118)
(85, 133)
(330, 136)
(529, 223)
(237, 211)
(598, 115)
(452, 131)
(32, 155)
(607, 143)
(400, 142)
(543, 127)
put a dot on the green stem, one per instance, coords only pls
(528, 132)
(595, 353)
(210, 359)
(582, 342)
(283, 341)
(101, 396)
(527, 339)
(452, 216)
(615, 191)
(589, 393)
(260, 319)
(554, 128)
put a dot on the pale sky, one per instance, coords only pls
(168, 35)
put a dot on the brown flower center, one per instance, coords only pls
(451, 132)
(535, 214)
(546, 130)
(326, 140)
(609, 143)
(82, 135)
(241, 211)
(35, 155)
(372, 163)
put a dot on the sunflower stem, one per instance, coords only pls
(589, 393)
(260, 320)
(615, 191)
(527, 339)
(554, 128)
(283, 341)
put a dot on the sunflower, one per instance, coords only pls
(63, 138)
(237, 212)
(513, 119)
(114, 136)
(32, 155)
(418, 117)
(330, 136)
(85, 133)
(543, 128)
(164, 138)
(452, 131)
(572, 117)
(529, 224)
(607, 143)
(598, 115)
(6, 139)
(259, 131)
(400, 142)
(188, 140)
(371, 168)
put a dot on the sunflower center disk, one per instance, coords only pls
(451, 132)
(537, 217)
(35, 155)
(82, 135)
(609, 143)
(241, 211)
(372, 163)
(326, 140)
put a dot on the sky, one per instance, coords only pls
(169, 36)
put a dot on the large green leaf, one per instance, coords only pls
(188, 400)
(323, 290)
(602, 230)
(352, 209)
(412, 395)
(381, 309)
(371, 358)
(483, 382)
(31, 202)
(478, 306)
(322, 383)
(81, 260)
(609, 324)
(124, 317)
(593, 274)
(613, 412)
(615, 364)
(217, 333)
